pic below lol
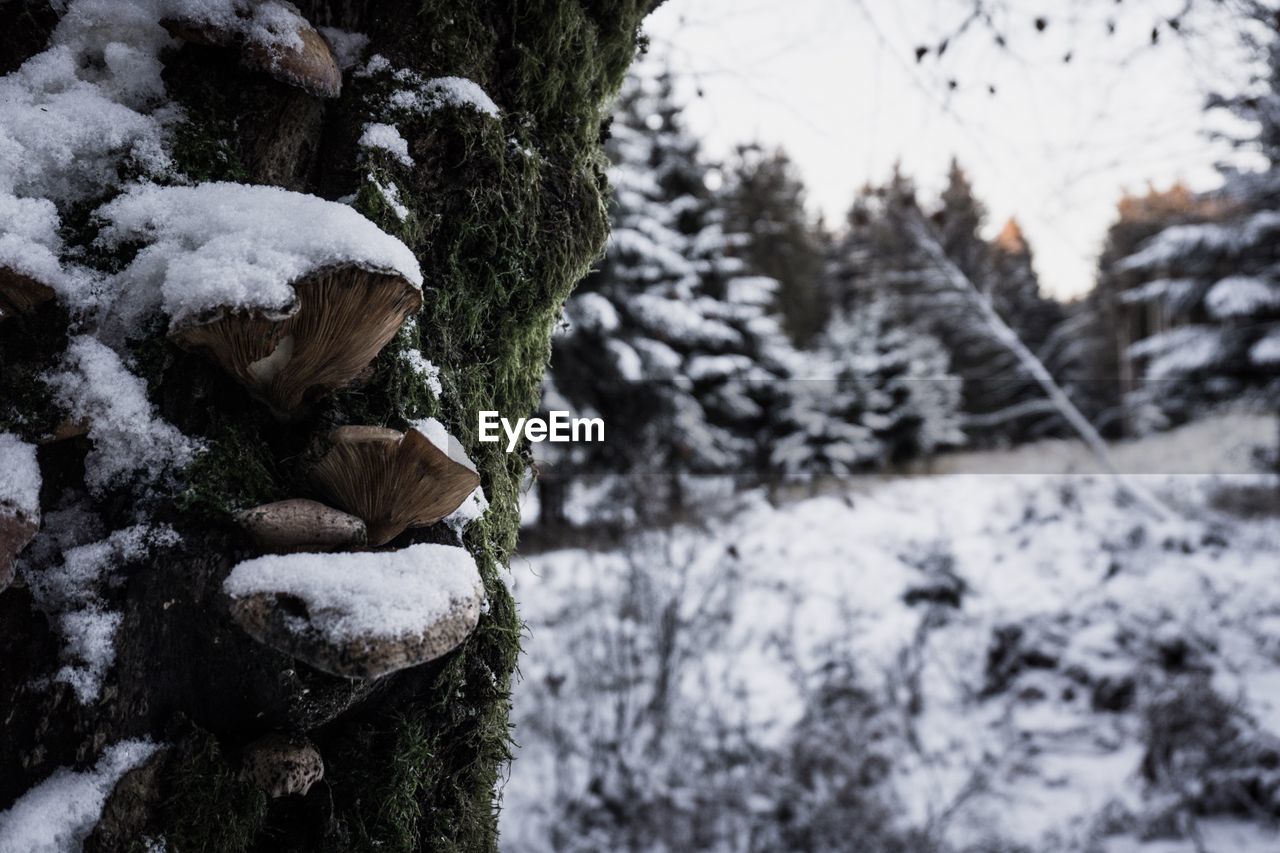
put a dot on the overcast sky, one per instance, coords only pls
(836, 83)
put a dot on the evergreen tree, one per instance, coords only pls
(1213, 288)
(669, 340)
(765, 213)
(885, 397)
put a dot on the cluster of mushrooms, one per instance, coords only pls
(376, 482)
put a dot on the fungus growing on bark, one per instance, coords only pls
(392, 480)
(342, 318)
(282, 765)
(292, 526)
(273, 37)
(359, 615)
(20, 293)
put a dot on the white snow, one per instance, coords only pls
(127, 437)
(419, 364)
(348, 47)
(59, 813)
(224, 245)
(430, 95)
(382, 594)
(71, 592)
(390, 193)
(269, 23)
(19, 476)
(386, 137)
(1242, 296)
(827, 575)
(1266, 350)
(439, 435)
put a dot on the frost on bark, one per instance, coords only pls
(468, 131)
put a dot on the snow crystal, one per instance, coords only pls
(428, 371)
(386, 137)
(29, 240)
(391, 195)
(19, 476)
(90, 636)
(433, 94)
(348, 47)
(271, 24)
(127, 437)
(59, 813)
(221, 245)
(1242, 296)
(71, 593)
(383, 594)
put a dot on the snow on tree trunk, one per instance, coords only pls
(436, 164)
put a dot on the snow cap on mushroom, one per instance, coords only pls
(359, 615)
(291, 294)
(273, 37)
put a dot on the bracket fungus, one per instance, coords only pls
(273, 37)
(343, 318)
(20, 293)
(392, 480)
(359, 615)
(282, 765)
(299, 525)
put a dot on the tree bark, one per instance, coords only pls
(504, 216)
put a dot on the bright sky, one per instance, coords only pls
(835, 82)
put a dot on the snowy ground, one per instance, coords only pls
(1048, 668)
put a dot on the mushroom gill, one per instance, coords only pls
(342, 318)
(392, 480)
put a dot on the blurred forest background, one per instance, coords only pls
(891, 547)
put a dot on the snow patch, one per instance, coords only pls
(386, 137)
(127, 436)
(57, 815)
(19, 476)
(428, 371)
(223, 245)
(383, 594)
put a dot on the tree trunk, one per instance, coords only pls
(504, 214)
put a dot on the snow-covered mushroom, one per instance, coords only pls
(342, 319)
(19, 501)
(392, 480)
(359, 615)
(20, 293)
(273, 37)
(282, 765)
(292, 526)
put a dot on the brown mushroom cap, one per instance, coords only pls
(282, 765)
(16, 530)
(342, 319)
(20, 293)
(293, 526)
(392, 480)
(310, 66)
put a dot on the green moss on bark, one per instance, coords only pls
(505, 214)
